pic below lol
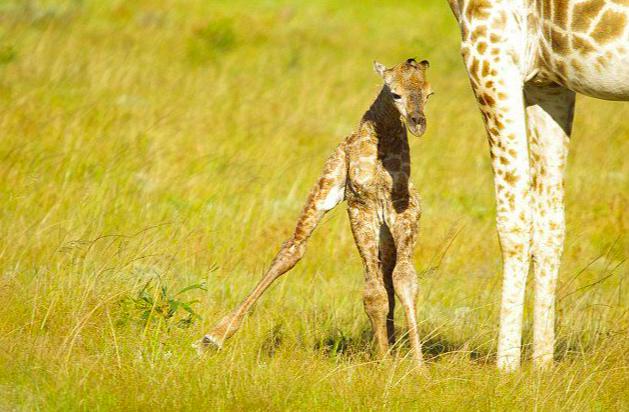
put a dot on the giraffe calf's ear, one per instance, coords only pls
(379, 68)
(424, 64)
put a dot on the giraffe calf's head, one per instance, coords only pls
(409, 90)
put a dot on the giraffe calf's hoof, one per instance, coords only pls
(208, 342)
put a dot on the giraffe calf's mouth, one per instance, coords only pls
(416, 129)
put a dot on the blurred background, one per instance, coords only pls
(155, 154)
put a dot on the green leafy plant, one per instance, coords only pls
(156, 302)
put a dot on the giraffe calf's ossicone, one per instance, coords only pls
(370, 169)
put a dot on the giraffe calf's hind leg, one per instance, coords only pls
(326, 194)
(285, 260)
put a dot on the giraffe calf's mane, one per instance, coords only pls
(370, 170)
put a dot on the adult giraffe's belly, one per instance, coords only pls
(604, 76)
(589, 53)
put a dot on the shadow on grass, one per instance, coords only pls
(437, 346)
(337, 343)
(273, 341)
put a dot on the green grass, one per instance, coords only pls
(175, 142)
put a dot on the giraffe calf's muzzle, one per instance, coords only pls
(416, 124)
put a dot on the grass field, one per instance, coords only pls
(148, 146)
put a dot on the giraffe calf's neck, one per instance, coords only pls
(370, 169)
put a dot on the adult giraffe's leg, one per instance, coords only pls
(550, 110)
(326, 194)
(510, 164)
(492, 60)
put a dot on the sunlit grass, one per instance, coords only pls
(177, 141)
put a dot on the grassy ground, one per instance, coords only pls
(149, 146)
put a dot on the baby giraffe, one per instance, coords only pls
(370, 169)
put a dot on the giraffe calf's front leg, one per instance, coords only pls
(376, 297)
(405, 284)
(376, 303)
(404, 275)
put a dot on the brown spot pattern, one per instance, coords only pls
(582, 45)
(511, 178)
(584, 13)
(611, 25)
(477, 9)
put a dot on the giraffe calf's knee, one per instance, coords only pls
(405, 280)
(294, 253)
(375, 299)
(290, 254)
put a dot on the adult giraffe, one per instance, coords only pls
(525, 60)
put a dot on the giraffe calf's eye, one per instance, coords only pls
(396, 96)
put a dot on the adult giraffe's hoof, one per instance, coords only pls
(509, 363)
